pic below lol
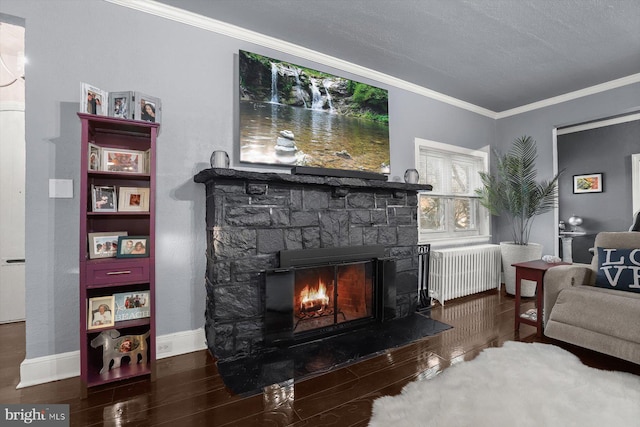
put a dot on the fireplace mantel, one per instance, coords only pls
(217, 174)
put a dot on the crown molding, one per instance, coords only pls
(213, 25)
(598, 124)
(623, 81)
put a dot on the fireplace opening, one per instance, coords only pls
(330, 295)
(309, 301)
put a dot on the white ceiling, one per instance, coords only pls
(496, 54)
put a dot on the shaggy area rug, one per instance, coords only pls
(518, 384)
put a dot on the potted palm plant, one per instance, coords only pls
(514, 193)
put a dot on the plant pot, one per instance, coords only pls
(511, 254)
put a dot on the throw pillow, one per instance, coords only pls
(619, 269)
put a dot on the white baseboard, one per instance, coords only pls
(180, 343)
(45, 369)
(54, 367)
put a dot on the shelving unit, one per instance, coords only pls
(101, 277)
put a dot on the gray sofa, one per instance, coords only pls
(577, 312)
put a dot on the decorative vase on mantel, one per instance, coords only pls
(513, 253)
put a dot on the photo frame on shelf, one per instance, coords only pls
(147, 108)
(133, 247)
(103, 198)
(121, 105)
(588, 183)
(104, 244)
(95, 157)
(133, 199)
(101, 312)
(132, 305)
(121, 160)
(93, 100)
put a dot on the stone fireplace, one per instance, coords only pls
(258, 222)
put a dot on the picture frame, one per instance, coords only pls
(121, 105)
(104, 244)
(588, 183)
(103, 198)
(121, 160)
(132, 305)
(93, 100)
(133, 199)
(101, 312)
(95, 157)
(147, 108)
(133, 247)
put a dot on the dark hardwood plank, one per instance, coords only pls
(189, 391)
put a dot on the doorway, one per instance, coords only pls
(12, 169)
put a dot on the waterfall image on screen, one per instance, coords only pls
(295, 116)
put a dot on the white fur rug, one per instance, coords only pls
(518, 384)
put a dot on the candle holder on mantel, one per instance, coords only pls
(411, 176)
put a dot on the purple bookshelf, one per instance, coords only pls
(105, 276)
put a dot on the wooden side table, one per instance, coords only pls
(532, 270)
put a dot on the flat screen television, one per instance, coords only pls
(296, 116)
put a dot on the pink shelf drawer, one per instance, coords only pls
(116, 272)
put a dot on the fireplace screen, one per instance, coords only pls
(320, 292)
(330, 295)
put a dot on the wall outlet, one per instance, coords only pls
(165, 347)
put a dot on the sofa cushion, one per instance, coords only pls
(604, 311)
(619, 269)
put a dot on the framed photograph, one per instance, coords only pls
(95, 156)
(121, 105)
(120, 160)
(588, 183)
(100, 313)
(104, 244)
(147, 108)
(133, 199)
(133, 247)
(132, 305)
(103, 198)
(93, 100)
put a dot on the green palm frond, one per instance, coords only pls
(514, 191)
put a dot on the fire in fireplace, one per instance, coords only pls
(318, 295)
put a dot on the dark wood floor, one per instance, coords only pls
(189, 391)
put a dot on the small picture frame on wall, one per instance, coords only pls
(121, 105)
(133, 199)
(133, 247)
(588, 183)
(100, 313)
(147, 108)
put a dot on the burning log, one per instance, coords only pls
(314, 299)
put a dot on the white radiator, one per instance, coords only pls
(457, 272)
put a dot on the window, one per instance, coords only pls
(451, 212)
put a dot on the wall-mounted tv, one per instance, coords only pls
(296, 116)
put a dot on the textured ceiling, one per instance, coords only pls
(497, 54)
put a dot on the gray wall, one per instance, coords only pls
(540, 124)
(608, 150)
(193, 72)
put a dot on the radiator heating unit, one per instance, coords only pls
(458, 272)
